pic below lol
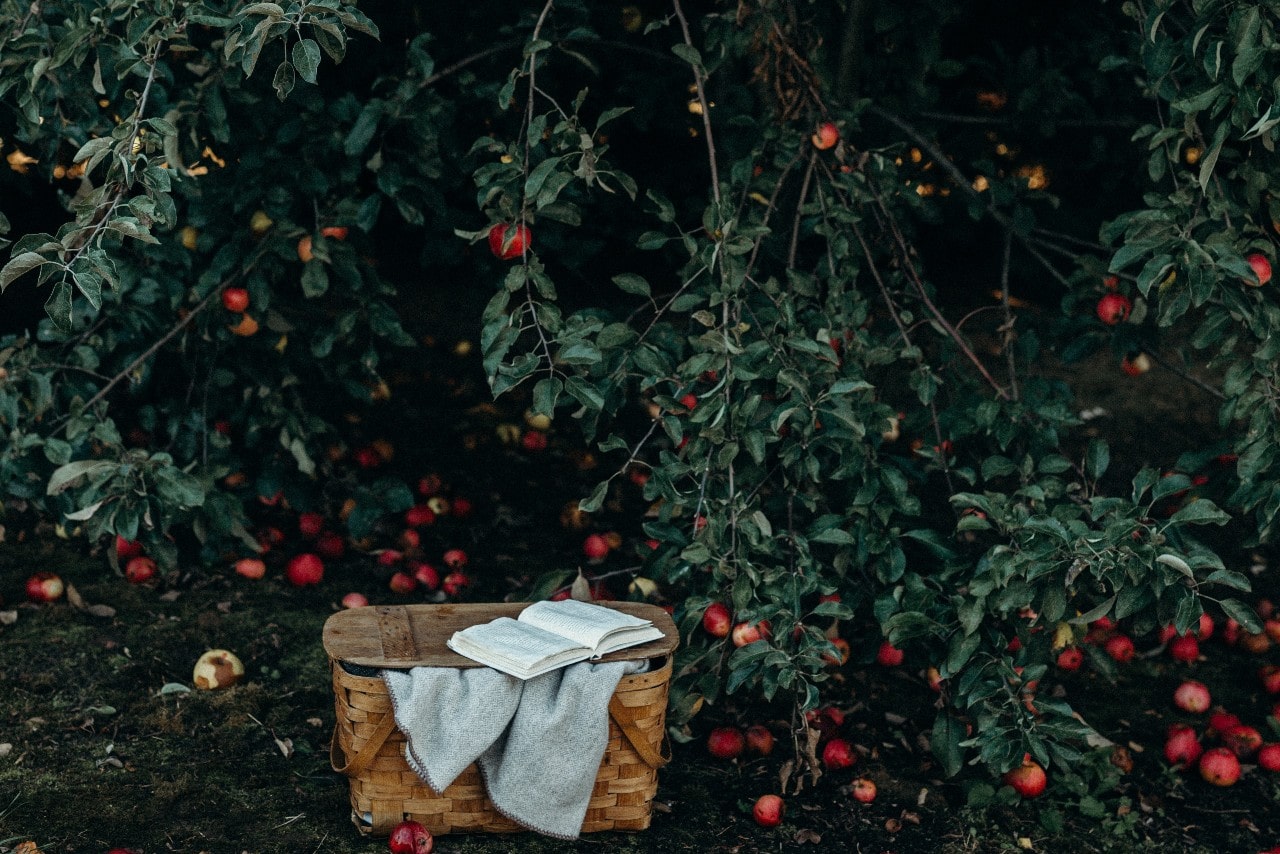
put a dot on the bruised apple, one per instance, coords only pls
(217, 668)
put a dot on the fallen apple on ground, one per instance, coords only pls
(768, 810)
(1192, 696)
(410, 837)
(217, 668)
(44, 586)
(1219, 767)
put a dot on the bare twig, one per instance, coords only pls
(1191, 378)
(795, 224)
(1006, 328)
(699, 79)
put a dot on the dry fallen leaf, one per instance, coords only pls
(805, 836)
(74, 598)
(8, 618)
(5, 749)
(26, 848)
(286, 746)
(101, 611)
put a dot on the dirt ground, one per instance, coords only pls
(102, 746)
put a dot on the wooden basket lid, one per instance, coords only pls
(402, 636)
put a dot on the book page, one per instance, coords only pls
(518, 644)
(582, 622)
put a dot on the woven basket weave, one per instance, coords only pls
(369, 749)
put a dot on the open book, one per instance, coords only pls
(548, 635)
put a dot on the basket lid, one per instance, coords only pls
(401, 636)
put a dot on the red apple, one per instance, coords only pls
(595, 547)
(140, 570)
(889, 655)
(759, 740)
(838, 754)
(409, 539)
(1219, 767)
(1135, 364)
(1222, 722)
(1269, 757)
(726, 742)
(1270, 676)
(533, 440)
(455, 582)
(390, 557)
(863, 790)
(716, 620)
(430, 484)
(310, 524)
(410, 837)
(419, 515)
(1070, 658)
(745, 633)
(455, 558)
(425, 574)
(514, 246)
(1261, 267)
(235, 299)
(127, 549)
(1120, 648)
(44, 587)
(331, 545)
(768, 810)
(250, 567)
(1242, 740)
(1192, 696)
(1114, 308)
(689, 402)
(1028, 779)
(826, 136)
(1231, 632)
(1181, 747)
(402, 582)
(1185, 648)
(462, 507)
(304, 569)
(335, 232)
(355, 600)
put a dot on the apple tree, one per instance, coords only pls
(772, 258)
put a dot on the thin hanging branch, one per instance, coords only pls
(699, 80)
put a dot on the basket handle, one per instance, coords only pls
(625, 718)
(357, 764)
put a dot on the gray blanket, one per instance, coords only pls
(538, 743)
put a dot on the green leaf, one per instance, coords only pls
(283, 80)
(1097, 458)
(1202, 511)
(65, 476)
(315, 279)
(944, 743)
(1242, 614)
(19, 265)
(545, 393)
(632, 284)
(688, 53)
(595, 500)
(306, 59)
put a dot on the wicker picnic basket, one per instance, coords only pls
(369, 749)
